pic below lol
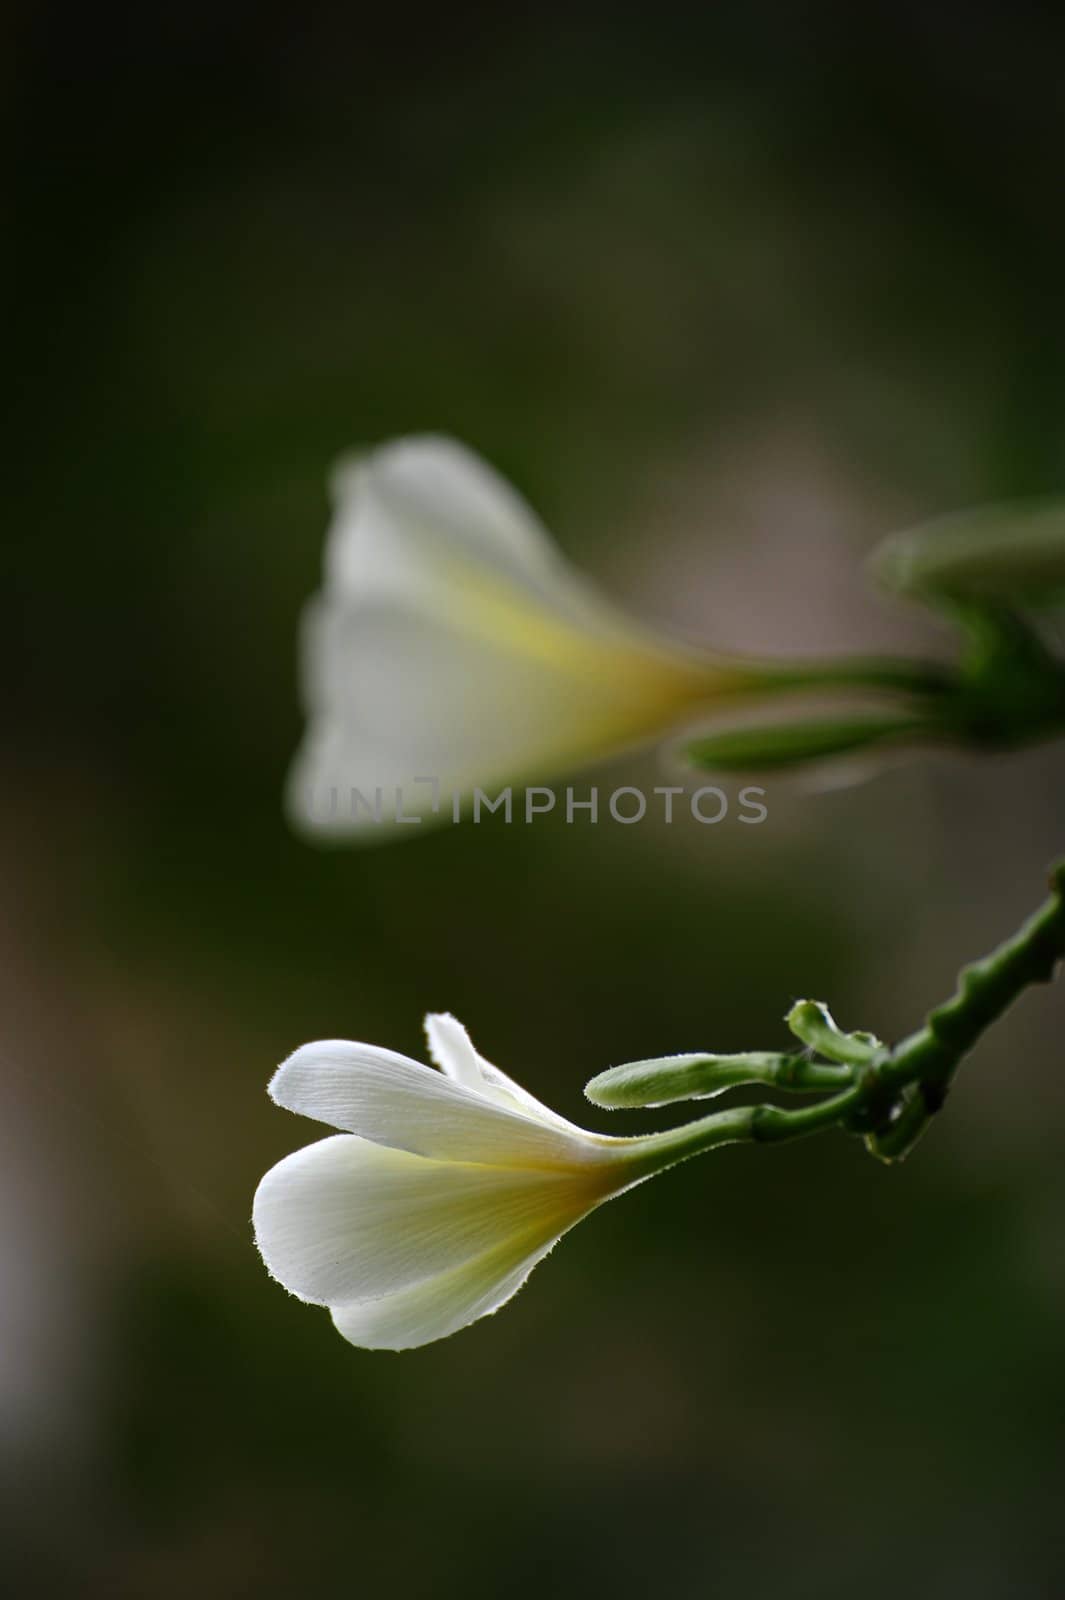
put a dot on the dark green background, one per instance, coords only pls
(730, 294)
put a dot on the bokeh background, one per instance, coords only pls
(731, 292)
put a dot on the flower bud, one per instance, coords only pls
(1012, 553)
(813, 1023)
(663, 1079)
(774, 746)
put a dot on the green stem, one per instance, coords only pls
(773, 1123)
(863, 672)
(985, 990)
(895, 1092)
(1007, 689)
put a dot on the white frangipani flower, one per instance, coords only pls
(443, 1192)
(453, 642)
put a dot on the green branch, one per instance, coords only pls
(890, 1095)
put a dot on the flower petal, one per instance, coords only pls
(390, 1099)
(346, 1220)
(454, 1053)
(452, 1049)
(428, 496)
(442, 1305)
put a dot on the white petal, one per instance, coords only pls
(442, 1305)
(419, 498)
(346, 1220)
(453, 1051)
(392, 1100)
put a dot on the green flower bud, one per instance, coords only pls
(813, 1023)
(664, 1079)
(763, 748)
(1012, 553)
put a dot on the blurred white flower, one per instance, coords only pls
(453, 642)
(443, 1193)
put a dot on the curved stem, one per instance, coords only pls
(895, 1092)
